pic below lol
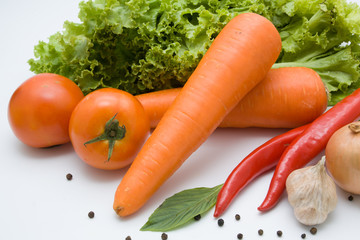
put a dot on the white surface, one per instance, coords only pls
(37, 202)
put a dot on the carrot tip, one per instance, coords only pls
(118, 210)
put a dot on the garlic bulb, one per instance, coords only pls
(312, 193)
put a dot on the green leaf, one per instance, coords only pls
(147, 45)
(180, 208)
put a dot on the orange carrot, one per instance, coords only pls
(157, 103)
(288, 97)
(237, 60)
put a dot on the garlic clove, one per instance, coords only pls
(310, 215)
(312, 193)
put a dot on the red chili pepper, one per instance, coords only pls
(310, 143)
(262, 159)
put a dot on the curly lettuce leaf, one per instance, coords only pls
(147, 45)
(324, 38)
(137, 46)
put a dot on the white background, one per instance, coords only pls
(37, 202)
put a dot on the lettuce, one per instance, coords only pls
(324, 36)
(146, 45)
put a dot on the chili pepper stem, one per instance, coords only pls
(112, 132)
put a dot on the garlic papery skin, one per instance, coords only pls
(312, 193)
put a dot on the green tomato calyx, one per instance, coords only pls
(112, 132)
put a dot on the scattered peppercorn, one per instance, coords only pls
(350, 198)
(197, 217)
(91, 214)
(240, 236)
(69, 176)
(303, 235)
(260, 232)
(237, 217)
(313, 230)
(164, 236)
(279, 233)
(128, 238)
(220, 222)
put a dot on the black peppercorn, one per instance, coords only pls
(350, 198)
(91, 214)
(240, 236)
(303, 235)
(279, 233)
(260, 232)
(313, 230)
(164, 236)
(197, 217)
(69, 176)
(237, 217)
(220, 222)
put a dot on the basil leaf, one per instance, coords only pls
(180, 208)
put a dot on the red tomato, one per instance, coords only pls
(105, 117)
(40, 108)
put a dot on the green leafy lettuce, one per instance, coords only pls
(324, 36)
(146, 45)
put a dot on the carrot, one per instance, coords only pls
(288, 97)
(157, 103)
(237, 60)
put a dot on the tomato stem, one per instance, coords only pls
(112, 132)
